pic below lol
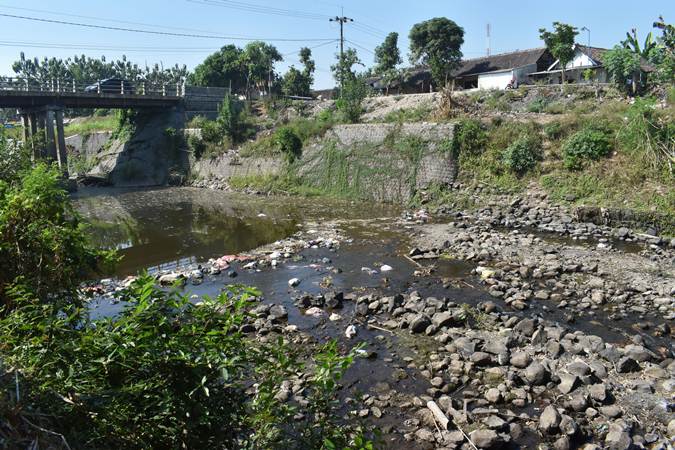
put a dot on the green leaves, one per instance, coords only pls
(437, 42)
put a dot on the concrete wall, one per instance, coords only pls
(373, 161)
(232, 165)
(496, 80)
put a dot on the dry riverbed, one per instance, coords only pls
(513, 326)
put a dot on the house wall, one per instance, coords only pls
(521, 73)
(495, 80)
(580, 60)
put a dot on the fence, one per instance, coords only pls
(111, 86)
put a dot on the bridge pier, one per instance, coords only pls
(43, 130)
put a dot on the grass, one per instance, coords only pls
(91, 125)
(419, 114)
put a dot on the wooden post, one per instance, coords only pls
(62, 155)
(51, 142)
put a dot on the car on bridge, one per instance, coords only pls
(111, 86)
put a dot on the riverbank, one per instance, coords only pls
(502, 322)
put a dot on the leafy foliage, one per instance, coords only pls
(649, 133)
(588, 144)
(43, 247)
(349, 105)
(169, 373)
(470, 137)
(621, 64)
(387, 57)
(233, 121)
(289, 143)
(221, 69)
(296, 82)
(436, 42)
(343, 70)
(522, 155)
(560, 42)
(83, 69)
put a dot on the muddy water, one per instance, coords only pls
(166, 228)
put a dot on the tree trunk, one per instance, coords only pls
(562, 78)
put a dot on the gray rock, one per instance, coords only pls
(598, 392)
(520, 360)
(536, 373)
(627, 364)
(612, 411)
(493, 395)
(419, 323)
(549, 420)
(568, 383)
(562, 443)
(525, 326)
(617, 439)
(278, 312)
(481, 358)
(442, 319)
(485, 438)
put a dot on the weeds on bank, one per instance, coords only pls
(91, 125)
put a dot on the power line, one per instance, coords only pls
(263, 9)
(79, 16)
(311, 48)
(162, 33)
(361, 46)
(65, 46)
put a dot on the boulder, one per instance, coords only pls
(549, 420)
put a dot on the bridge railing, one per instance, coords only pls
(101, 87)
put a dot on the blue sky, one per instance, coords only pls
(514, 26)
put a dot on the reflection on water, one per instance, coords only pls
(168, 227)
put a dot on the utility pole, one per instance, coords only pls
(341, 20)
(589, 34)
(488, 39)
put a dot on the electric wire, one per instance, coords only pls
(162, 33)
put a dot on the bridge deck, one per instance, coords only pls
(28, 99)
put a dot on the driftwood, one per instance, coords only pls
(438, 414)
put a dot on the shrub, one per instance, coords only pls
(522, 155)
(43, 246)
(650, 134)
(169, 373)
(211, 132)
(289, 143)
(585, 145)
(233, 120)
(14, 158)
(471, 137)
(553, 130)
(538, 105)
(351, 99)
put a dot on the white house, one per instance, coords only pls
(497, 71)
(585, 67)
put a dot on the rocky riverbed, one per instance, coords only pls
(510, 326)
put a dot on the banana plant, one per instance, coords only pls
(632, 43)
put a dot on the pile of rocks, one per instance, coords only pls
(500, 378)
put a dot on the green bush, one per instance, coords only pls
(169, 373)
(553, 130)
(649, 133)
(471, 137)
(351, 99)
(288, 143)
(585, 145)
(538, 105)
(233, 120)
(522, 155)
(43, 246)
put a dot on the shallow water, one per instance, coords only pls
(164, 228)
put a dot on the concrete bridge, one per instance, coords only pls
(40, 105)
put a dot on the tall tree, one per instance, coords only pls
(622, 63)
(387, 57)
(437, 42)
(296, 82)
(344, 66)
(222, 68)
(258, 59)
(560, 42)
